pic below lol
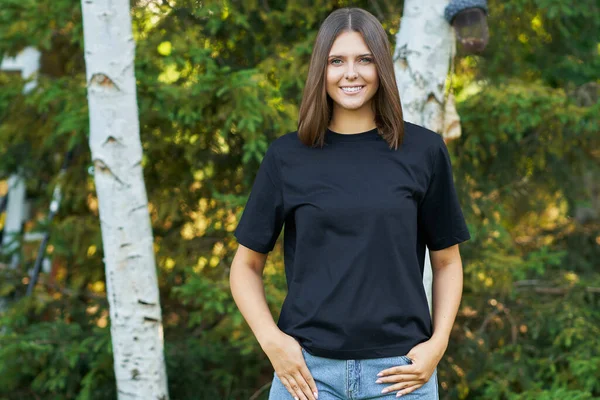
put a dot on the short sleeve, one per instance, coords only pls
(263, 216)
(440, 215)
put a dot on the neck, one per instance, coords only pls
(352, 121)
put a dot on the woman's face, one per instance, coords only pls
(351, 64)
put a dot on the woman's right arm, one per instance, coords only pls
(284, 352)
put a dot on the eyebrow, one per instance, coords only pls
(360, 55)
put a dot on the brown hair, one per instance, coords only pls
(316, 108)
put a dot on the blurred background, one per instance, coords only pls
(217, 81)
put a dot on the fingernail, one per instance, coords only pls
(384, 391)
(378, 381)
(399, 394)
(316, 395)
(380, 374)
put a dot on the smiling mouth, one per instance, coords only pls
(352, 90)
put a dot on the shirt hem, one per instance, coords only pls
(249, 243)
(374, 352)
(448, 241)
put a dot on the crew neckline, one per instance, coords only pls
(372, 134)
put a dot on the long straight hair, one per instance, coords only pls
(316, 108)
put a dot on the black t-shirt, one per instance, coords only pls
(357, 216)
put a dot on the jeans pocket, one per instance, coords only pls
(406, 359)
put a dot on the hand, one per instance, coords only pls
(407, 378)
(285, 355)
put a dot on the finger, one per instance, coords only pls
(409, 389)
(398, 369)
(309, 380)
(401, 386)
(397, 378)
(297, 388)
(288, 385)
(306, 389)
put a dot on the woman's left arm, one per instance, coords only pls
(446, 266)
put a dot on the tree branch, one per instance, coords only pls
(538, 286)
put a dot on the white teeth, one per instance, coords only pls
(354, 89)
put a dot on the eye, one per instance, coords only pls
(369, 59)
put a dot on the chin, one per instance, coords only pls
(352, 105)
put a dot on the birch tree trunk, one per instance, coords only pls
(131, 281)
(27, 62)
(15, 211)
(424, 46)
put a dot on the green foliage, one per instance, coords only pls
(529, 314)
(47, 353)
(216, 83)
(551, 40)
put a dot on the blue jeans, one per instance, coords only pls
(354, 380)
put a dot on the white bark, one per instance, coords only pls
(424, 46)
(131, 281)
(15, 214)
(28, 63)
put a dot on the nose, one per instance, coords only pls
(351, 73)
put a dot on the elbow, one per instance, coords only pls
(445, 258)
(246, 258)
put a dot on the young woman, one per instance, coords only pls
(361, 194)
